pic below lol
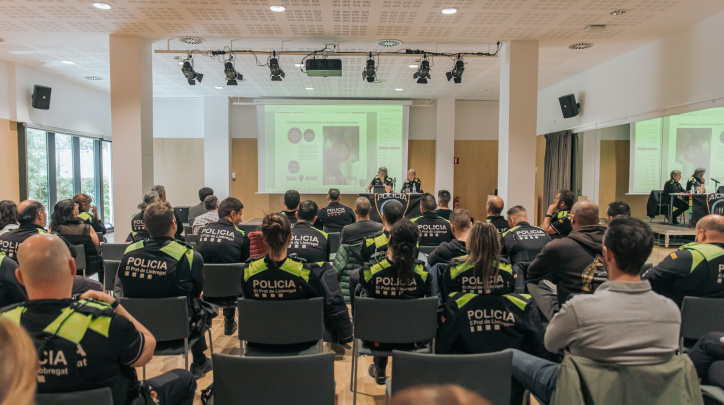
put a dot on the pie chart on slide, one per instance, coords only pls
(693, 152)
(293, 166)
(341, 150)
(294, 135)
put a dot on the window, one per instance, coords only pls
(60, 166)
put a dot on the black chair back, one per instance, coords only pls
(110, 268)
(700, 316)
(188, 229)
(335, 239)
(166, 318)
(113, 251)
(183, 214)
(222, 280)
(281, 322)
(80, 258)
(427, 249)
(191, 238)
(100, 396)
(395, 321)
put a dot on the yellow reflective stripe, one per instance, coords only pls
(517, 301)
(254, 268)
(240, 230)
(464, 299)
(376, 268)
(380, 240)
(134, 246)
(460, 268)
(14, 314)
(85, 216)
(101, 325)
(510, 230)
(419, 269)
(176, 250)
(74, 325)
(369, 241)
(505, 267)
(704, 251)
(325, 234)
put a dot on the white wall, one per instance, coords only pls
(476, 120)
(72, 106)
(681, 72)
(4, 91)
(592, 156)
(243, 121)
(178, 117)
(423, 123)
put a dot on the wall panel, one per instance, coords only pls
(9, 181)
(178, 165)
(476, 176)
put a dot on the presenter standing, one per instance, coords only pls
(697, 181)
(381, 180)
(673, 187)
(412, 184)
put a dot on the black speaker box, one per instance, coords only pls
(569, 107)
(41, 97)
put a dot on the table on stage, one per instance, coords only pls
(703, 205)
(411, 202)
(250, 225)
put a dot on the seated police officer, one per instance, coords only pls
(308, 242)
(11, 291)
(356, 232)
(335, 215)
(161, 190)
(557, 221)
(397, 275)
(224, 242)
(412, 184)
(523, 241)
(674, 187)
(392, 211)
(494, 208)
(32, 219)
(460, 223)
(161, 267)
(89, 214)
(434, 230)
(291, 202)
(90, 343)
(138, 230)
(695, 269)
(443, 202)
(381, 180)
(279, 277)
(696, 181)
(618, 209)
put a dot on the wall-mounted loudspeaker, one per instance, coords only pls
(569, 107)
(41, 97)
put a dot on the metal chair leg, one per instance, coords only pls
(354, 372)
(144, 373)
(186, 353)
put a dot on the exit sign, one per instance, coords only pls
(456, 160)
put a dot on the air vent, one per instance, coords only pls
(581, 45)
(192, 40)
(619, 12)
(389, 43)
(93, 78)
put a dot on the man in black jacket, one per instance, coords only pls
(570, 265)
(335, 215)
(460, 223)
(557, 221)
(356, 232)
(434, 230)
(291, 202)
(523, 241)
(308, 242)
(494, 209)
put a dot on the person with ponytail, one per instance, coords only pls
(279, 277)
(398, 275)
(138, 230)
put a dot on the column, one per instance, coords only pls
(445, 146)
(131, 125)
(517, 119)
(217, 146)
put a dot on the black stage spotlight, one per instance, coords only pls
(457, 72)
(232, 76)
(423, 73)
(370, 72)
(188, 71)
(277, 74)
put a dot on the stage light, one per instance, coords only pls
(370, 72)
(188, 71)
(457, 72)
(423, 73)
(232, 76)
(277, 74)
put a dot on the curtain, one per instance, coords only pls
(558, 164)
(577, 175)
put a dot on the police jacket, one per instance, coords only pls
(446, 252)
(379, 280)
(444, 213)
(11, 291)
(374, 243)
(414, 186)
(291, 216)
(334, 216)
(294, 279)
(486, 323)
(696, 269)
(138, 229)
(222, 242)
(434, 230)
(161, 268)
(523, 242)
(671, 187)
(501, 224)
(85, 345)
(693, 182)
(561, 223)
(94, 222)
(9, 241)
(309, 243)
(378, 181)
(458, 276)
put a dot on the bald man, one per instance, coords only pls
(696, 269)
(32, 219)
(90, 343)
(569, 265)
(495, 209)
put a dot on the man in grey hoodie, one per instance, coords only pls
(570, 265)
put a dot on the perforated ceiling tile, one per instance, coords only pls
(136, 28)
(554, 4)
(436, 17)
(350, 30)
(51, 27)
(307, 29)
(300, 3)
(427, 31)
(536, 19)
(116, 13)
(12, 27)
(221, 29)
(263, 29)
(562, 33)
(304, 15)
(632, 20)
(504, 4)
(606, 5)
(18, 12)
(353, 16)
(90, 26)
(518, 33)
(397, 17)
(256, 15)
(393, 31)
(489, 18)
(200, 2)
(477, 32)
(160, 13)
(250, 3)
(209, 14)
(402, 3)
(351, 3)
(174, 28)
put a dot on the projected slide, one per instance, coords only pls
(311, 148)
(680, 142)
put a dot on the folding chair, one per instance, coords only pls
(335, 240)
(222, 281)
(100, 396)
(188, 230)
(698, 317)
(80, 258)
(110, 268)
(113, 251)
(282, 328)
(391, 321)
(168, 321)
(296, 380)
(412, 369)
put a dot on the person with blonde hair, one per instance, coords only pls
(18, 365)
(437, 395)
